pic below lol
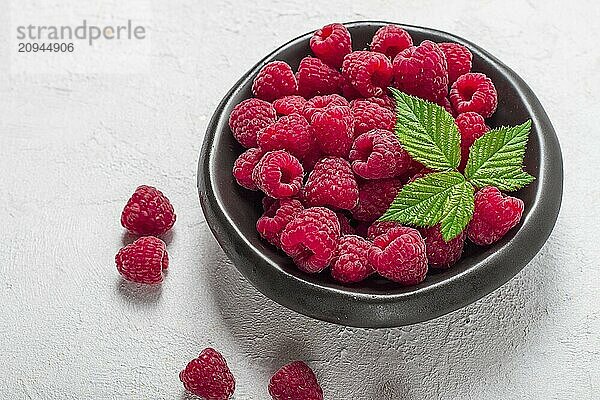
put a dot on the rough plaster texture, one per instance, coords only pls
(73, 147)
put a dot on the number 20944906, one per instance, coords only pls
(45, 47)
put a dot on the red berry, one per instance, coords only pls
(345, 227)
(278, 174)
(349, 91)
(276, 217)
(368, 72)
(143, 260)
(274, 80)
(442, 254)
(391, 40)
(384, 101)
(331, 43)
(378, 154)
(474, 92)
(289, 105)
(320, 103)
(295, 381)
(331, 183)
(333, 129)
(458, 58)
(471, 127)
(400, 256)
(494, 216)
(148, 212)
(291, 133)
(374, 198)
(248, 118)
(380, 227)
(369, 115)
(208, 376)
(244, 165)
(317, 78)
(352, 262)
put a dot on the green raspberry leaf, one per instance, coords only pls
(458, 211)
(427, 131)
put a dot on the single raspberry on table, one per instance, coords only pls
(442, 254)
(311, 238)
(331, 183)
(422, 71)
(248, 118)
(391, 40)
(378, 154)
(148, 212)
(352, 261)
(244, 165)
(295, 381)
(459, 60)
(315, 78)
(320, 103)
(278, 174)
(369, 115)
(380, 227)
(331, 43)
(333, 128)
(276, 217)
(143, 260)
(368, 72)
(374, 198)
(292, 133)
(345, 227)
(273, 81)
(471, 127)
(208, 376)
(289, 105)
(400, 256)
(474, 92)
(494, 216)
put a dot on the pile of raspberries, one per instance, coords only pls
(320, 146)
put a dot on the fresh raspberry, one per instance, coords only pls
(378, 154)
(349, 91)
(311, 238)
(143, 260)
(422, 71)
(317, 78)
(276, 217)
(320, 103)
(244, 165)
(345, 227)
(331, 43)
(248, 118)
(289, 105)
(458, 58)
(384, 101)
(208, 376)
(442, 254)
(295, 381)
(445, 102)
(333, 129)
(331, 183)
(274, 80)
(494, 216)
(291, 133)
(380, 227)
(400, 256)
(368, 116)
(148, 212)
(391, 40)
(471, 127)
(474, 92)
(374, 198)
(352, 262)
(278, 174)
(368, 72)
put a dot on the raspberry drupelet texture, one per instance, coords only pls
(331, 43)
(368, 72)
(295, 381)
(391, 40)
(348, 91)
(458, 58)
(148, 212)
(345, 227)
(474, 92)
(143, 260)
(315, 78)
(244, 165)
(289, 105)
(378, 154)
(374, 198)
(273, 81)
(400, 256)
(442, 254)
(333, 128)
(276, 217)
(369, 115)
(331, 183)
(352, 262)
(319, 103)
(208, 376)
(292, 133)
(278, 174)
(384, 101)
(311, 238)
(422, 71)
(494, 216)
(248, 118)
(380, 227)
(471, 127)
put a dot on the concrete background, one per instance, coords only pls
(74, 145)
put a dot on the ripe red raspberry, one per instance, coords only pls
(474, 92)
(333, 129)
(368, 72)
(143, 260)
(331, 43)
(391, 40)
(311, 238)
(208, 376)
(278, 174)
(273, 81)
(352, 262)
(471, 127)
(345, 227)
(295, 381)
(148, 212)
(248, 118)
(276, 217)
(291, 133)
(374, 198)
(349, 91)
(494, 216)
(289, 105)
(317, 78)
(384, 101)
(442, 254)
(380, 227)
(369, 115)
(422, 71)
(378, 154)
(458, 58)
(331, 183)
(244, 165)
(320, 103)
(400, 256)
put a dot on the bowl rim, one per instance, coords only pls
(321, 301)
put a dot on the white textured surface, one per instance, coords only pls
(74, 146)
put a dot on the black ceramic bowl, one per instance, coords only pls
(231, 211)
